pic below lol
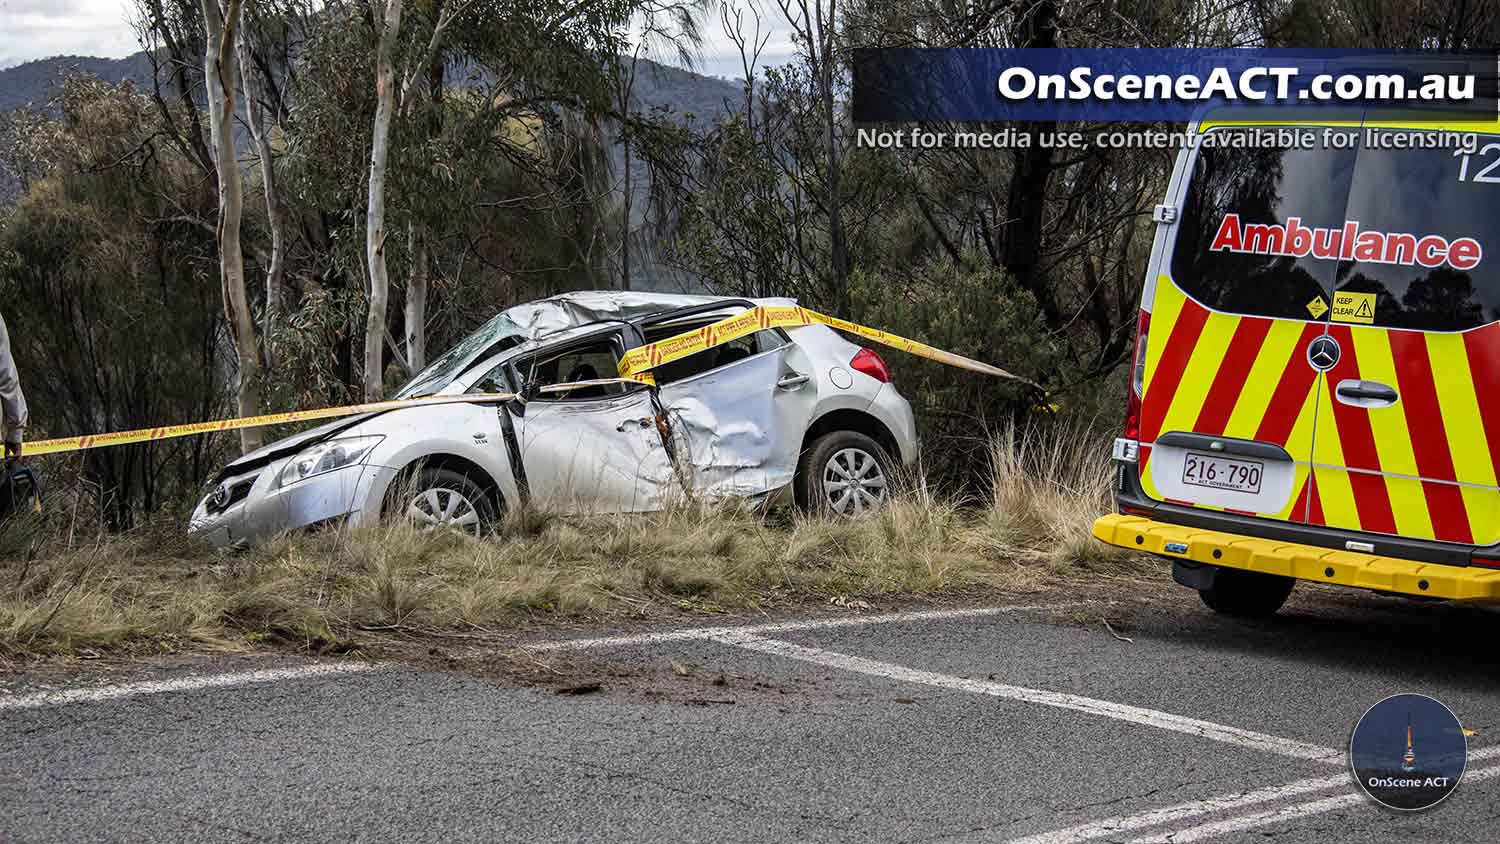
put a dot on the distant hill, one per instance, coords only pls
(31, 84)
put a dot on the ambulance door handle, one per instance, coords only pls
(1365, 393)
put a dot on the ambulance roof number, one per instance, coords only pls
(1484, 175)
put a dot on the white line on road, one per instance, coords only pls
(95, 694)
(1197, 808)
(1119, 711)
(701, 633)
(1183, 811)
(1281, 815)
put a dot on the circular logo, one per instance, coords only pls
(1323, 353)
(1408, 752)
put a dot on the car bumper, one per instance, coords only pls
(1304, 562)
(267, 509)
(894, 411)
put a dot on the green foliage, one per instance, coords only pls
(108, 282)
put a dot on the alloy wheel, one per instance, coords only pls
(854, 482)
(440, 507)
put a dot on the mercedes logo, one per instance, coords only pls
(1323, 353)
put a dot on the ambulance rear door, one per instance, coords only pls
(1230, 396)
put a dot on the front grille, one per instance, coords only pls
(227, 495)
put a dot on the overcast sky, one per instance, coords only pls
(36, 29)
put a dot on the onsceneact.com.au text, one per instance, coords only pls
(1257, 84)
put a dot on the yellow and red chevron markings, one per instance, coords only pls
(637, 362)
(1425, 467)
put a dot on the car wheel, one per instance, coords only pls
(1247, 594)
(444, 499)
(843, 473)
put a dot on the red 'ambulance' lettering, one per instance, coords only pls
(1294, 240)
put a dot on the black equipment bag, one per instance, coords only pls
(20, 491)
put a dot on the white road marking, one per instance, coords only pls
(95, 694)
(1078, 703)
(1207, 806)
(1281, 815)
(702, 633)
(1183, 811)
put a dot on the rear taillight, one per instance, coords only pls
(870, 364)
(1137, 379)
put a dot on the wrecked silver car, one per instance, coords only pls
(797, 411)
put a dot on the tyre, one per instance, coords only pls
(1247, 594)
(843, 473)
(443, 499)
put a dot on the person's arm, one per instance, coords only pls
(12, 400)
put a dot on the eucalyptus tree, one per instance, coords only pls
(221, 19)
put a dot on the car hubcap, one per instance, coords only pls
(441, 507)
(853, 482)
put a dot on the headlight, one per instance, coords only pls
(327, 456)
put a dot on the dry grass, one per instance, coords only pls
(154, 591)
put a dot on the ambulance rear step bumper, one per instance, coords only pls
(1304, 562)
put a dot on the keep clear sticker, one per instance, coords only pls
(1317, 307)
(1349, 306)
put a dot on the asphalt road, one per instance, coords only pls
(1038, 724)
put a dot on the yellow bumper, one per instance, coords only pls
(1304, 562)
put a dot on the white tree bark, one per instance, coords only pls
(416, 299)
(260, 132)
(221, 19)
(388, 21)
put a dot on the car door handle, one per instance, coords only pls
(642, 423)
(793, 381)
(1365, 393)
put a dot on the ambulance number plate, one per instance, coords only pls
(1219, 472)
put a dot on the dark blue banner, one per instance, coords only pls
(1169, 84)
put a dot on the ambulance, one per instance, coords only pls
(1315, 392)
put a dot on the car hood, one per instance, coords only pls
(289, 445)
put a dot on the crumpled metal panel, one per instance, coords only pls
(549, 316)
(595, 457)
(737, 435)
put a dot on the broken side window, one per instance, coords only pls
(708, 360)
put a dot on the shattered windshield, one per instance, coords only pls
(494, 336)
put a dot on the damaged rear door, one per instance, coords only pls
(738, 410)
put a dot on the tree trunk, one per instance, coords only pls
(249, 80)
(416, 299)
(625, 239)
(837, 245)
(221, 19)
(1026, 200)
(420, 282)
(388, 21)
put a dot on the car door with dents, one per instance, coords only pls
(1408, 428)
(738, 410)
(592, 449)
(1227, 389)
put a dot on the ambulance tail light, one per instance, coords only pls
(1137, 378)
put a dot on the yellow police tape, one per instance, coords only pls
(637, 362)
(169, 431)
(635, 366)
